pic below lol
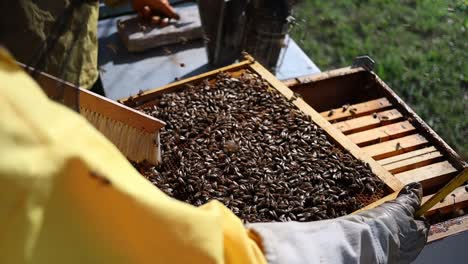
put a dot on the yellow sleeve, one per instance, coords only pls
(68, 196)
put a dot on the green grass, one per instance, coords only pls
(421, 50)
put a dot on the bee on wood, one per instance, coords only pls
(345, 107)
(398, 146)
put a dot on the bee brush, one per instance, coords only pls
(134, 133)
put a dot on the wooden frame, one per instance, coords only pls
(250, 64)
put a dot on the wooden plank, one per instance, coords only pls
(457, 181)
(407, 155)
(435, 139)
(392, 182)
(378, 202)
(153, 94)
(291, 82)
(429, 176)
(356, 110)
(395, 146)
(383, 133)
(315, 77)
(332, 92)
(456, 199)
(368, 121)
(413, 163)
(450, 227)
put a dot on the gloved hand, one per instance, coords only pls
(158, 12)
(388, 233)
(398, 218)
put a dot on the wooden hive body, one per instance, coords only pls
(376, 120)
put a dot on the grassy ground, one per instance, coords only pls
(421, 49)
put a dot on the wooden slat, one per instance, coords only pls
(315, 77)
(407, 155)
(458, 180)
(395, 146)
(456, 199)
(383, 133)
(368, 121)
(338, 137)
(429, 176)
(356, 110)
(378, 202)
(449, 228)
(460, 198)
(291, 82)
(414, 162)
(435, 139)
(96, 103)
(152, 94)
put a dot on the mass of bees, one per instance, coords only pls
(244, 144)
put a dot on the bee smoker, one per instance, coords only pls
(258, 27)
(223, 24)
(266, 29)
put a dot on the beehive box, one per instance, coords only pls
(372, 116)
(153, 97)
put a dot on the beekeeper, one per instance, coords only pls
(60, 36)
(69, 196)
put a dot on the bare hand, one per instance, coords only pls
(158, 12)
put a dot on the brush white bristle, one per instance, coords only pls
(137, 145)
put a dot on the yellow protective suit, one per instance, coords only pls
(69, 196)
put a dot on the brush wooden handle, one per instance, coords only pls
(52, 86)
(119, 112)
(135, 134)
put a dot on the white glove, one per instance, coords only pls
(388, 233)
